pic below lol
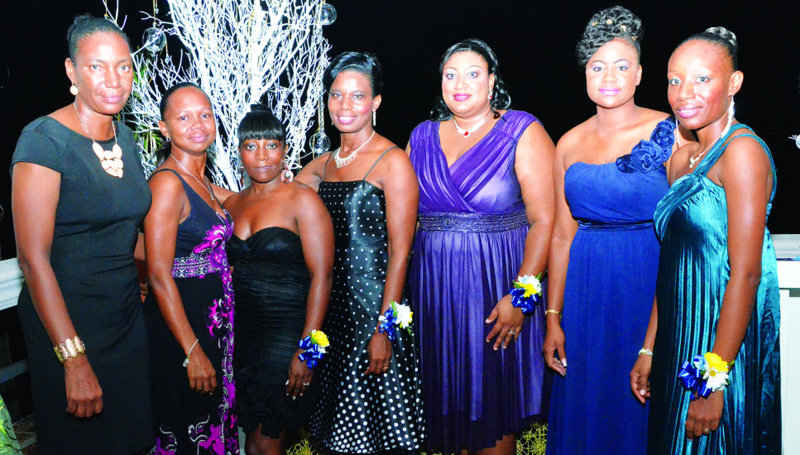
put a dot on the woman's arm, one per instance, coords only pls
(744, 171)
(34, 198)
(316, 235)
(402, 199)
(640, 374)
(533, 166)
(160, 233)
(560, 243)
(311, 174)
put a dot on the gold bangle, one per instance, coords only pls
(69, 349)
(546, 312)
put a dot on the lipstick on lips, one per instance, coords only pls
(687, 111)
(609, 91)
(461, 97)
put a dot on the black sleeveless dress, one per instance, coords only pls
(271, 282)
(189, 422)
(359, 413)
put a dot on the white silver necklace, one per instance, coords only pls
(694, 159)
(110, 160)
(204, 182)
(467, 132)
(342, 162)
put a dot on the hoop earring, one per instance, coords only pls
(73, 90)
(374, 118)
(287, 176)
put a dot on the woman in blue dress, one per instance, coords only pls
(609, 175)
(717, 294)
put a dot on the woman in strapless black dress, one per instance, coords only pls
(281, 252)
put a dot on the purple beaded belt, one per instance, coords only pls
(192, 266)
(472, 222)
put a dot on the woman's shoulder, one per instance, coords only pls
(426, 128)
(43, 142)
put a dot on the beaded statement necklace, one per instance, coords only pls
(342, 162)
(110, 160)
(203, 183)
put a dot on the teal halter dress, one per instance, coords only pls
(692, 223)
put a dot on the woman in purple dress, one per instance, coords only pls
(485, 217)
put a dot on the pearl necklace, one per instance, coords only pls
(342, 162)
(204, 182)
(466, 132)
(110, 160)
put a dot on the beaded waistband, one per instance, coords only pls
(592, 225)
(192, 266)
(472, 222)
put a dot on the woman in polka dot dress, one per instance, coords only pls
(370, 400)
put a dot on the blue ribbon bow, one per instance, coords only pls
(311, 355)
(389, 325)
(526, 304)
(691, 377)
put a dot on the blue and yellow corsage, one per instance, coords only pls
(526, 292)
(397, 315)
(314, 345)
(704, 374)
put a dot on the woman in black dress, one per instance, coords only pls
(370, 400)
(281, 252)
(78, 195)
(189, 309)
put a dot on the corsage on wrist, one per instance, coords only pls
(397, 315)
(525, 293)
(704, 375)
(313, 346)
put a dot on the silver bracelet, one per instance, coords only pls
(646, 351)
(186, 360)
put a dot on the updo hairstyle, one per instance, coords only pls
(163, 153)
(721, 37)
(362, 62)
(260, 124)
(501, 99)
(86, 25)
(606, 25)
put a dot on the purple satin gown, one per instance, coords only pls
(467, 252)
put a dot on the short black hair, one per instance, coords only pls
(86, 25)
(501, 99)
(606, 25)
(362, 62)
(722, 37)
(260, 123)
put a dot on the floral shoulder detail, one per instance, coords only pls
(647, 156)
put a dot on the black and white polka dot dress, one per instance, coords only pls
(359, 413)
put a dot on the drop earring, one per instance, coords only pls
(287, 176)
(374, 118)
(73, 90)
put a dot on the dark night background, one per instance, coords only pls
(534, 41)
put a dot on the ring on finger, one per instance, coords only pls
(707, 431)
(511, 331)
(306, 384)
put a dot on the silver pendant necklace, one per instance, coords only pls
(342, 162)
(464, 132)
(204, 182)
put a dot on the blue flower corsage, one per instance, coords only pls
(525, 293)
(397, 315)
(647, 156)
(704, 374)
(314, 345)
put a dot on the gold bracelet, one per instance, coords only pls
(69, 349)
(546, 312)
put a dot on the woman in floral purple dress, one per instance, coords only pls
(190, 307)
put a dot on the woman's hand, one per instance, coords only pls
(507, 323)
(202, 376)
(640, 377)
(84, 394)
(704, 414)
(555, 356)
(380, 353)
(299, 376)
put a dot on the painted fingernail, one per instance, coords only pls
(641, 392)
(564, 362)
(287, 382)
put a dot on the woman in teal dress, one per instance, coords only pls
(717, 291)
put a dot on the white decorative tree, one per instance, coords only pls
(240, 52)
